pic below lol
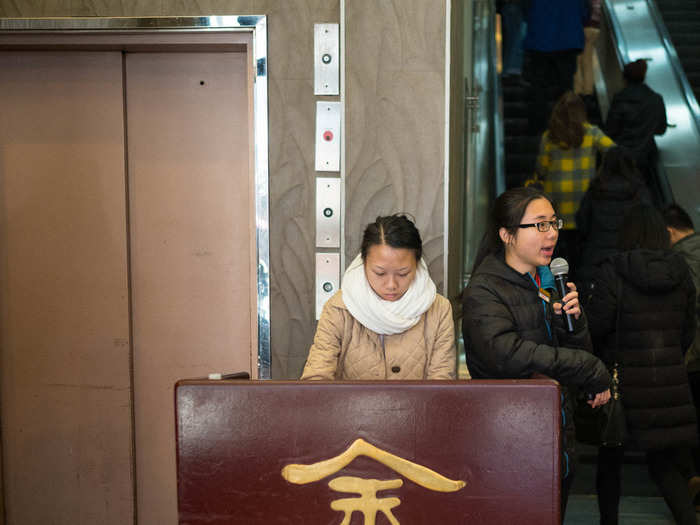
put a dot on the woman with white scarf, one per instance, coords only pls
(387, 321)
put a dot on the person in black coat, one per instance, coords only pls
(512, 323)
(637, 113)
(642, 316)
(617, 187)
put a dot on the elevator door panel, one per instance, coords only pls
(66, 407)
(192, 232)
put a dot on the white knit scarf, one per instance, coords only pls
(386, 317)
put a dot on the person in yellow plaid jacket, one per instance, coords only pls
(566, 162)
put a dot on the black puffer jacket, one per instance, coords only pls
(599, 218)
(637, 113)
(505, 335)
(656, 300)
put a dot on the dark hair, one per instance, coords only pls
(617, 162)
(643, 227)
(634, 72)
(507, 212)
(397, 231)
(566, 122)
(677, 218)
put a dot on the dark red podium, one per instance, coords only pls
(439, 452)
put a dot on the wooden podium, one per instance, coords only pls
(398, 452)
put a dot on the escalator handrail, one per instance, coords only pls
(621, 44)
(498, 117)
(675, 61)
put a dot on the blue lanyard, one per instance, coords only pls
(544, 308)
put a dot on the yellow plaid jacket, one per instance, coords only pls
(566, 173)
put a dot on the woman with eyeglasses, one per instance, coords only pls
(512, 316)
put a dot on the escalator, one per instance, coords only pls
(520, 146)
(665, 33)
(682, 19)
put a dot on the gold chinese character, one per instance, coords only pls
(368, 503)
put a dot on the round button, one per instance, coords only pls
(328, 212)
(327, 287)
(396, 369)
(327, 136)
(326, 58)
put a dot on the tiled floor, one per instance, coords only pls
(634, 510)
(641, 503)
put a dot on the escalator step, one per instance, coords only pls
(684, 26)
(690, 63)
(687, 50)
(515, 93)
(522, 145)
(520, 163)
(677, 4)
(678, 15)
(515, 109)
(515, 180)
(516, 126)
(685, 39)
(673, 12)
(694, 79)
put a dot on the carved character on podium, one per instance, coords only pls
(368, 503)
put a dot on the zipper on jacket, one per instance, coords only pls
(544, 308)
(381, 340)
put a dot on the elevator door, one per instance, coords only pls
(128, 240)
(66, 402)
(191, 225)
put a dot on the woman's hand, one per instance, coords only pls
(571, 304)
(600, 399)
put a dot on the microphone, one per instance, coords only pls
(560, 268)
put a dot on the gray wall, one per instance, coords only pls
(395, 108)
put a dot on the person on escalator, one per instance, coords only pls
(553, 41)
(617, 187)
(686, 241)
(566, 163)
(513, 31)
(583, 79)
(637, 113)
(642, 318)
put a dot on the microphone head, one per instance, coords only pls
(559, 266)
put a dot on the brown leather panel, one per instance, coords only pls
(500, 437)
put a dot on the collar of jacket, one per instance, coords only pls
(690, 243)
(546, 277)
(495, 264)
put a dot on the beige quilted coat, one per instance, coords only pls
(345, 349)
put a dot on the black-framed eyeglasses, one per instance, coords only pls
(544, 226)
